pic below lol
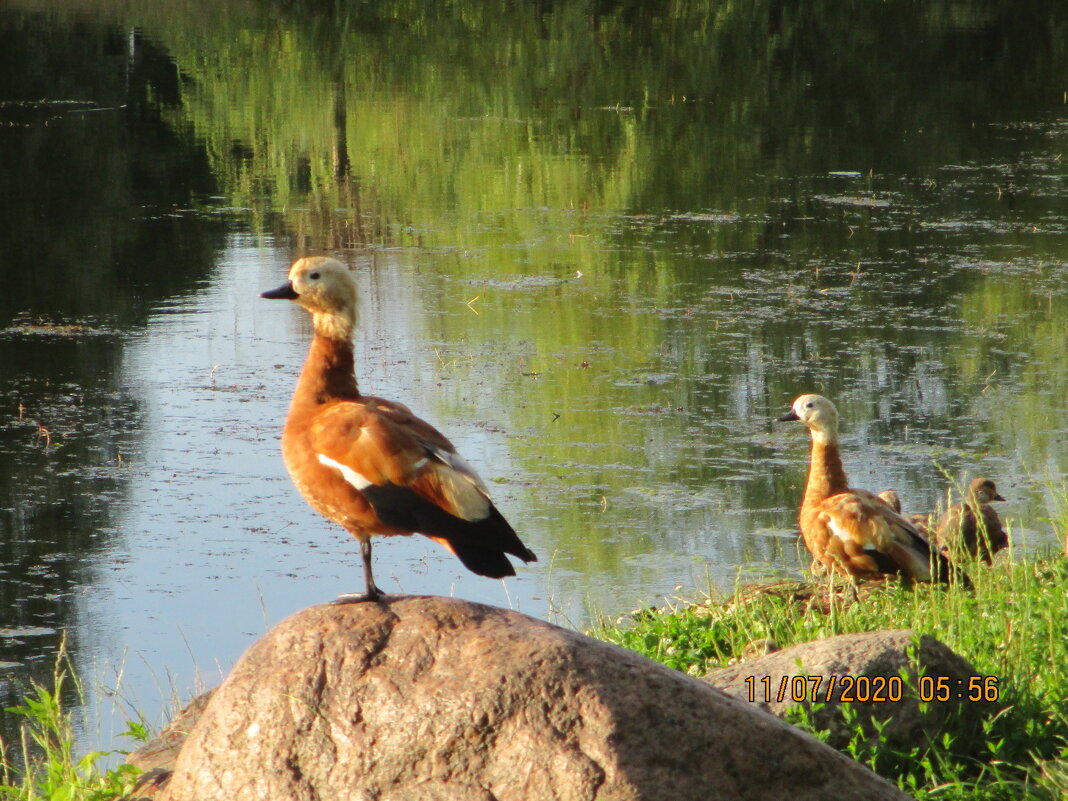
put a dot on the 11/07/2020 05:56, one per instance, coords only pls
(870, 689)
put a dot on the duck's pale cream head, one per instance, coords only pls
(816, 412)
(326, 288)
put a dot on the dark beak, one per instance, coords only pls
(284, 292)
(997, 497)
(790, 415)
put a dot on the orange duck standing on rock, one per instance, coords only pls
(369, 464)
(850, 531)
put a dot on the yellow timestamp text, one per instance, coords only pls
(869, 689)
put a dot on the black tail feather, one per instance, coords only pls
(484, 561)
(480, 544)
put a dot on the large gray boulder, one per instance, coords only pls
(440, 699)
(896, 656)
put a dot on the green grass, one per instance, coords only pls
(1013, 624)
(47, 765)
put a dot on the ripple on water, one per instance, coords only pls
(709, 217)
(855, 201)
(25, 631)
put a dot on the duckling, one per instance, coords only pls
(853, 531)
(920, 521)
(369, 464)
(891, 499)
(973, 527)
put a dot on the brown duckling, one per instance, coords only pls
(972, 526)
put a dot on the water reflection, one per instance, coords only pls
(601, 277)
(92, 233)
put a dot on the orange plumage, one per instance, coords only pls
(369, 464)
(852, 531)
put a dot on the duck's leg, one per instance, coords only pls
(854, 589)
(372, 593)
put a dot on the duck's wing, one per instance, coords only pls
(866, 526)
(996, 535)
(924, 524)
(414, 479)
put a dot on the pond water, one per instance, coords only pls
(600, 246)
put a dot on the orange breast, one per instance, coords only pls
(326, 490)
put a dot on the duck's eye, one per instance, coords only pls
(314, 276)
(809, 405)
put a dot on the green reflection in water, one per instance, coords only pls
(93, 234)
(712, 208)
(674, 218)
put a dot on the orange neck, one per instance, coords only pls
(826, 476)
(328, 374)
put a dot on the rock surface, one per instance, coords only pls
(157, 757)
(881, 653)
(436, 698)
(162, 752)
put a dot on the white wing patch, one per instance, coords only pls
(350, 475)
(836, 529)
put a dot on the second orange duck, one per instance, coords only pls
(850, 531)
(369, 464)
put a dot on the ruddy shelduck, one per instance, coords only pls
(851, 531)
(973, 527)
(369, 464)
